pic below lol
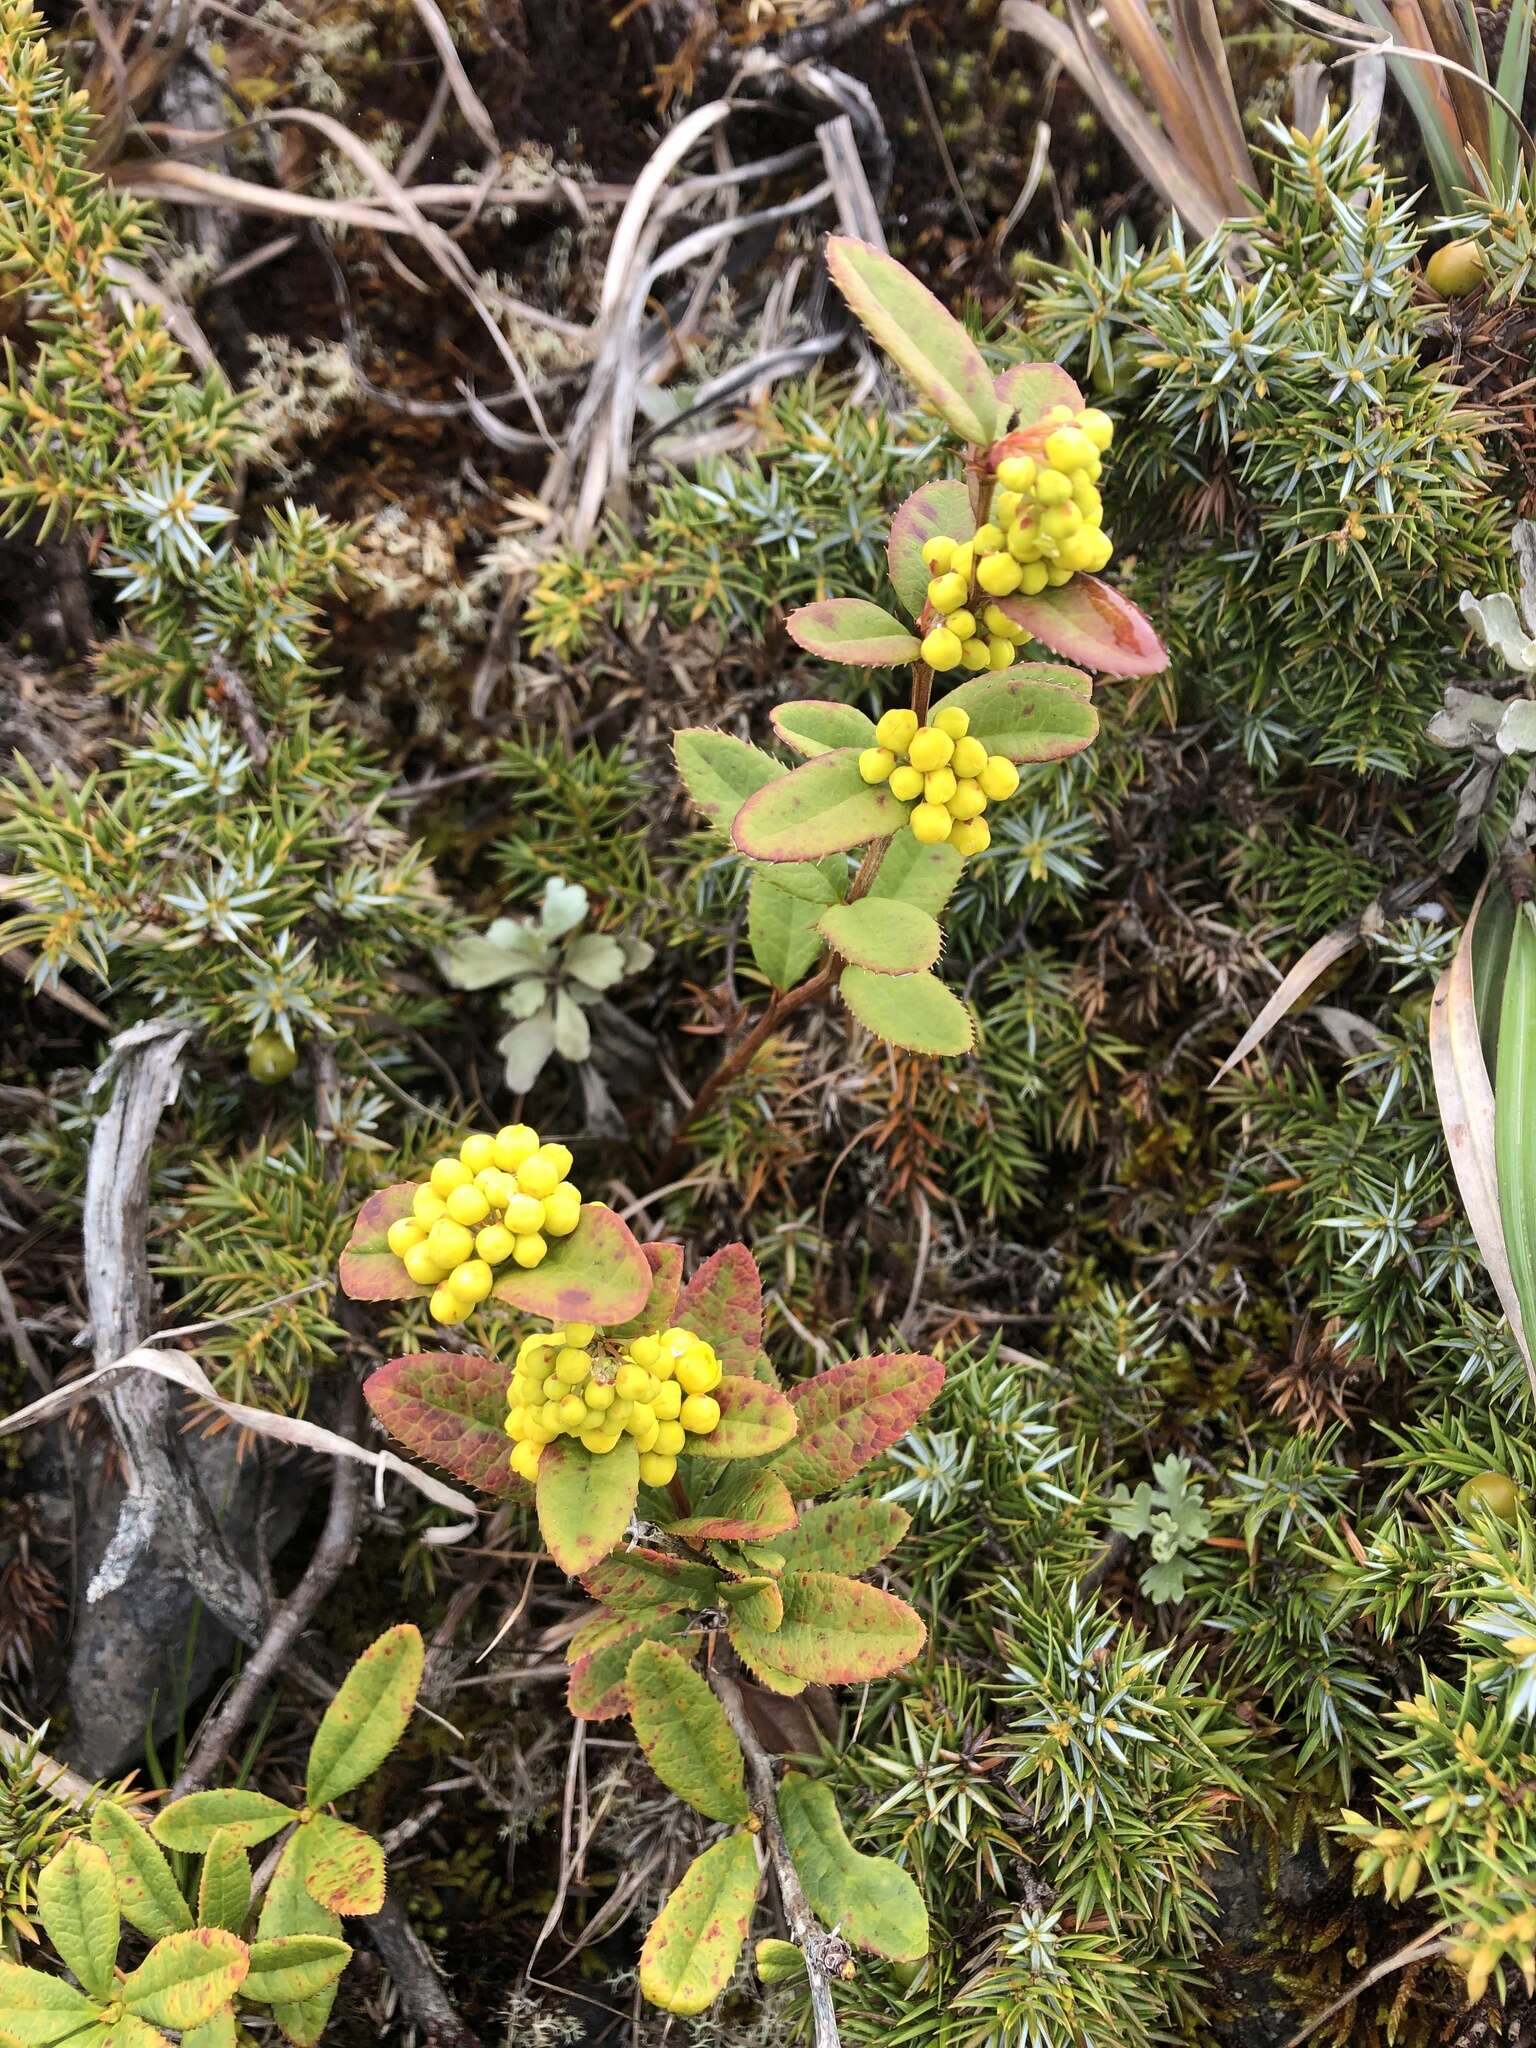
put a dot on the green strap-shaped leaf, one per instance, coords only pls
(870, 1900)
(691, 1950)
(640, 1581)
(599, 1681)
(816, 725)
(1029, 390)
(1029, 713)
(369, 1270)
(598, 1274)
(781, 931)
(77, 1901)
(720, 771)
(37, 2010)
(1514, 1113)
(1089, 621)
(342, 1867)
(723, 1304)
(881, 935)
(147, 1890)
(919, 335)
(190, 1824)
(754, 1420)
(835, 1631)
(849, 1414)
(186, 1978)
(288, 1909)
(585, 1500)
(823, 807)
(682, 1728)
(745, 1505)
(844, 1535)
(853, 630)
(915, 1011)
(942, 508)
(224, 1889)
(288, 1968)
(923, 876)
(367, 1717)
(450, 1409)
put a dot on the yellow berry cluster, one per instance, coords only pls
(952, 776)
(1046, 523)
(573, 1382)
(503, 1197)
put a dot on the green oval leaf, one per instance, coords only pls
(641, 1581)
(1089, 621)
(691, 1950)
(882, 935)
(825, 806)
(192, 1823)
(368, 1269)
(720, 771)
(341, 1866)
(147, 1891)
(938, 508)
(186, 1977)
(754, 1419)
(918, 334)
(816, 725)
(448, 1408)
(845, 1536)
(743, 1506)
(781, 930)
(288, 1909)
(224, 1888)
(723, 1304)
(598, 1274)
(1024, 715)
(779, 1962)
(368, 1716)
(682, 1728)
(287, 1968)
(585, 1500)
(39, 2010)
(853, 630)
(910, 872)
(915, 1011)
(1029, 390)
(870, 1900)
(599, 1681)
(77, 1902)
(851, 1413)
(835, 1631)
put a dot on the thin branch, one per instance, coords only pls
(409, 1962)
(1432, 1942)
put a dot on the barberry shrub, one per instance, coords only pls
(678, 1480)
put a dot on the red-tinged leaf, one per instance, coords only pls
(1029, 390)
(666, 1263)
(585, 1500)
(753, 1645)
(835, 1631)
(754, 1419)
(1089, 621)
(450, 1409)
(815, 725)
(938, 508)
(683, 1731)
(342, 1868)
(691, 1951)
(918, 334)
(599, 1274)
(643, 1581)
(723, 1304)
(598, 1688)
(369, 1270)
(853, 630)
(825, 806)
(1036, 712)
(845, 1536)
(852, 1413)
(744, 1506)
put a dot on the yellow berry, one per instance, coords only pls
(953, 720)
(963, 560)
(600, 1440)
(969, 757)
(941, 649)
(1006, 504)
(1063, 413)
(449, 1174)
(525, 1460)
(405, 1233)
(573, 1411)
(936, 552)
(1098, 427)
(571, 1365)
(645, 1429)
(670, 1436)
(974, 654)
(598, 1395)
(938, 787)
(970, 836)
(630, 1381)
(699, 1372)
(1024, 543)
(1495, 1492)
(472, 1281)
(986, 540)
(1455, 269)
(1078, 551)
(478, 1151)
(1061, 521)
(930, 824)
(523, 1215)
(562, 1210)
(1016, 472)
(450, 1243)
(999, 778)
(468, 1205)
(895, 730)
(668, 1399)
(1057, 576)
(931, 748)
(514, 1144)
(497, 1187)
(700, 1414)
(579, 1334)
(422, 1267)
(445, 1306)
(968, 801)
(1053, 487)
(1000, 654)
(539, 1175)
(427, 1206)
(493, 1244)
(997, 621)
(646, 1351)
(876, 763)
(529, 1251)
(999, 575)
(1068, 449)
(1102, 548)
(962, 625)
(655, 1470)
(948, 592)
(906, 782)
(1036, 576)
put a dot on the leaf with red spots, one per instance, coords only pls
(342, 1868)
(691, 1951)
(186, 1978)
(834, 1631)
(367, 1717)
(852, 1413)
(844, 1535)
(1089, 621)
(745, 1505)
(369, 1270)
(598, 1688)
(450, 1409)
(644, 1581)
(599, 1274)
(666, 1263)
(754, 1419)
(585, 1500)
(682, 1728)
(723, 1304)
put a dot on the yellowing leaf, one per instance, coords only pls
(598, 1274)
(915, 1011)
(342, 1867)
(224, 1886)
(695, 1939)
(186, 1978)
(192, 1823)
(683, 1731)
(835, 1631)
(824, 806)
(816, 725)
(288, 1968)
(38, 2010)
(367, 1717)
(853, 630)
(77, 1902)
(147, 1890)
